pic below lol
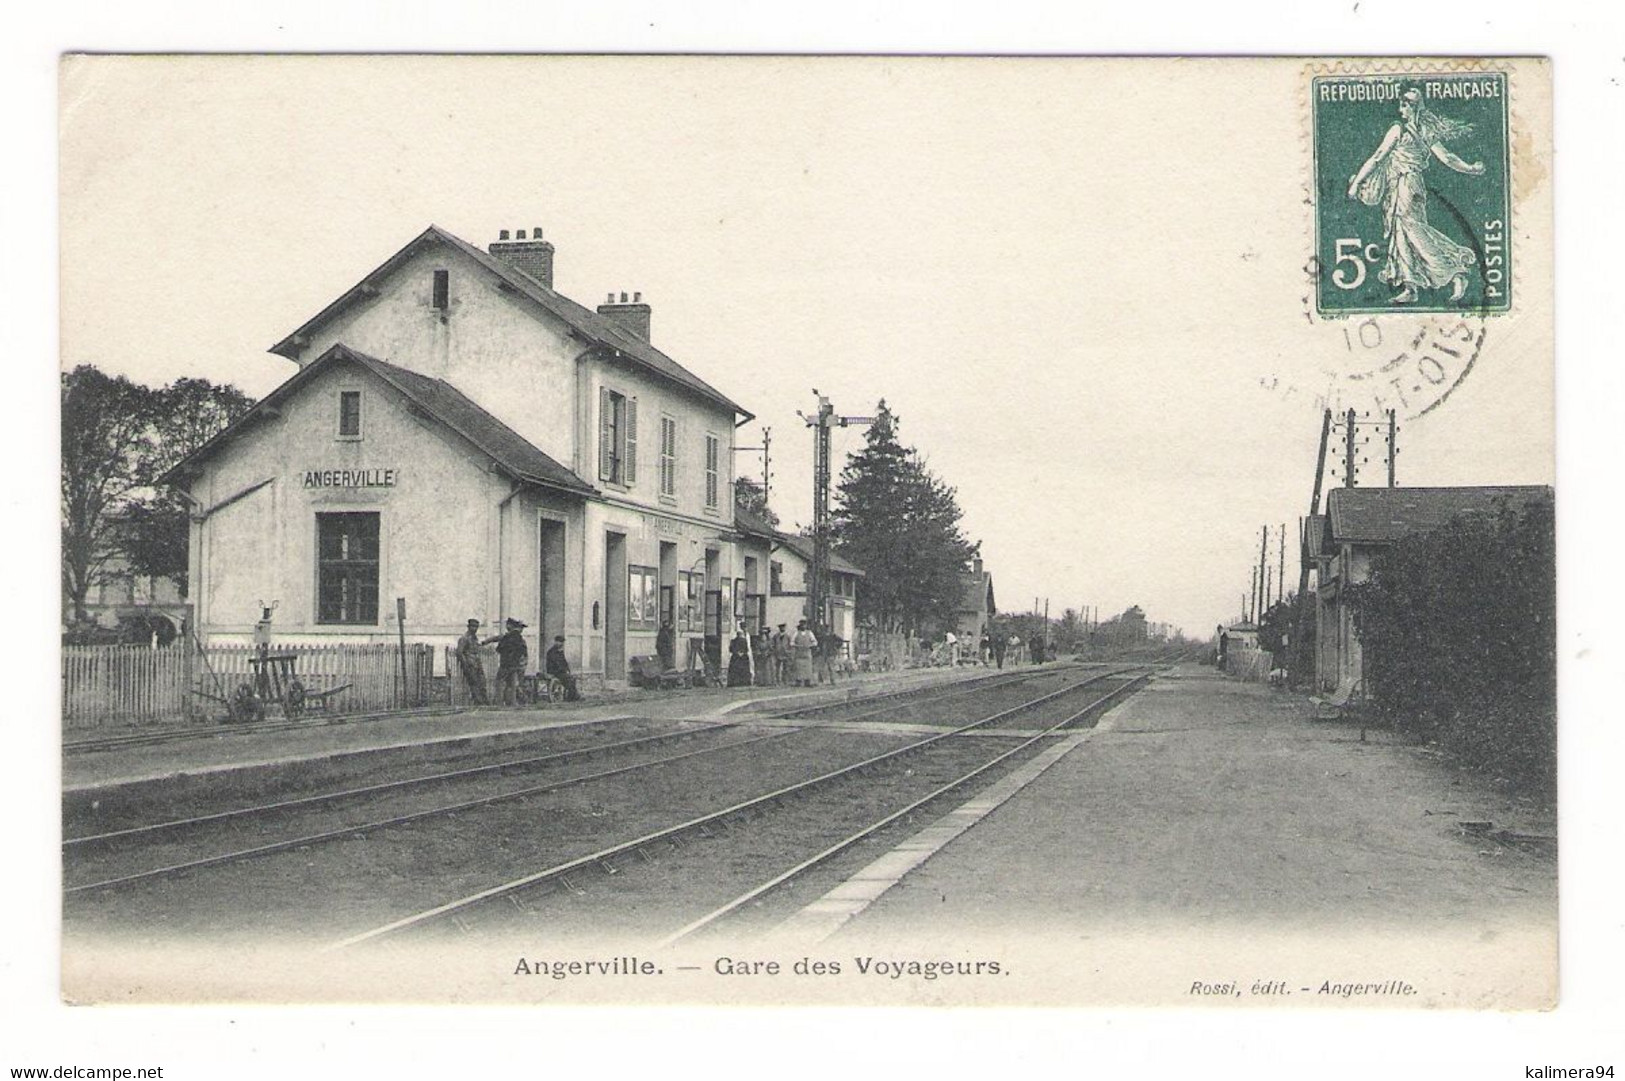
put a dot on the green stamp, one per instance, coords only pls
(1412, 188)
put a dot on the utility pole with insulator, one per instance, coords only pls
(767, 464)
(821, 422)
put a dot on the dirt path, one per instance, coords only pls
(1212, 831)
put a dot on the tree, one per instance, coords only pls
(106, 459)
(1276, 624)
(900, 523)
(118, 437)
(750, 496)
(189, 412)
(1458, 632)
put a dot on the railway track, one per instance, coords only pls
(944, 775)
(754, 896)
(319, 801)
(103, 861)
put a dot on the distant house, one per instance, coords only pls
(139, 607)
(976, 605)
(1360, 523)
(788, 559)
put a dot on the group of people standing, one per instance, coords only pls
(782, 658)
(513, 657)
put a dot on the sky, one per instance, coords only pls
(1079, 285)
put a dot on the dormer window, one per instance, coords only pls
(349, 414)
(442, 289)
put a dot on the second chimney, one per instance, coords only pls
(632, 315)
(533, 256)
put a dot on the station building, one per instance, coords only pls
(462, 438)
(1360, 523)
(976, 607)
(788, 559)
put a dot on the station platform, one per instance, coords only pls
(94, 767)
(1208, 827)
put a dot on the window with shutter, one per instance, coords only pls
(630, 453)
(713, 481)
(668, 456)
(606, 435)
(617, 437)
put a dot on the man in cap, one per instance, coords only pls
(469, 663)
(557, 666)
(512, 655)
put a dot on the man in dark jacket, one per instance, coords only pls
(512, 656)
(557, 667)
(666, 646)
(468, 660)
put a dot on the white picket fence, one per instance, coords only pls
(135, 686)
(1248, 663)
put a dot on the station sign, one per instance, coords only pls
(350, 478)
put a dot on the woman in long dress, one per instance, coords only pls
(1419, 256)
(739, 661)
(801, 647)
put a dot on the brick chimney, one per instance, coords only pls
(630, 315)
(533, 256)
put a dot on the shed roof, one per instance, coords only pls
(588, 324)
(512, 452)
(1384, 515)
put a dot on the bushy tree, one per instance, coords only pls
(1275, 626)
(900, 522)
(118, 438)
(1458, 634)
(749, 495)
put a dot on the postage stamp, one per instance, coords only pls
(1412, 192)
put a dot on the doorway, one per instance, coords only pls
(550, 571)
(614, 605)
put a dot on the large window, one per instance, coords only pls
(668, 456)
(617, 437)
(347, 568)
(713, 478)
(642, 598)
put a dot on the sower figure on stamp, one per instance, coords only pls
(1419, 256)
(557, 667)
(470, 665)
(512, 655)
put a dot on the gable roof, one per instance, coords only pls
(747, 521)
(1384, 515)
(978, 593)
(584, 322)
(512, 452)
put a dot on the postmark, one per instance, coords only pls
(1412, 192)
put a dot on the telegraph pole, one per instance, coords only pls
(766, 449)
(821, 422)
(1263, 573)
(1280, 578)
